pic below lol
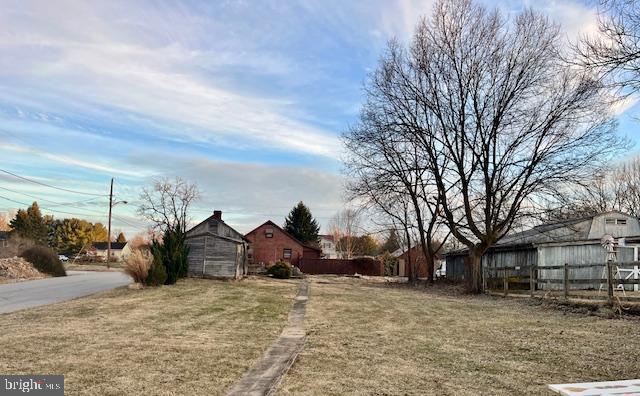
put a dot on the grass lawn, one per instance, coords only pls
(197, 337)
(367, 338)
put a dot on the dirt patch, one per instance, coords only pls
(17, 269)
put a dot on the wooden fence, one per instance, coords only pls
(362, 266)
(501, 279)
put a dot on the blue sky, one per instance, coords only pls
(246, 98)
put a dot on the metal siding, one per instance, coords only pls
(576, 254)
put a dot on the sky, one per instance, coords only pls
(245, 98)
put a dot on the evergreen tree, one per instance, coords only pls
(31, 224)
(121, 238)
(301, 224)
(172, 253)
(391, 244)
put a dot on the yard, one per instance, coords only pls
(364, 337)
(369, 338)
(197, 337)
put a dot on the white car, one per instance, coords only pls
(63, 258)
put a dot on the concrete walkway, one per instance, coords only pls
(263, 378)
(21, 295)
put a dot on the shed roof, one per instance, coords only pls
(190, 233)
(563, 231)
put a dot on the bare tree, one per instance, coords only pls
(615, 50)
(383, 163)
(615, 188)
(498, 117)
(344, 227)
(167, 203)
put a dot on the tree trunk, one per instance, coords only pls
(473, 272)
(429, 262)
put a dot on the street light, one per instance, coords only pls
(111, 205)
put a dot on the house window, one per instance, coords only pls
(612, 221)
(609, 221)
(268, 233)
(621, 221)
(286, 253)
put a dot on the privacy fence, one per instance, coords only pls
(341, 267)
(587, 281)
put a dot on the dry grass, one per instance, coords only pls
(367, 338)
(137, 265)
(197, 337)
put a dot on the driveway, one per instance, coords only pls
(17, 296)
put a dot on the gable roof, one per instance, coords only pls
(296, 240)
(114, 245)
(212, 217)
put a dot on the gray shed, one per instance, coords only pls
(573, 241)
(216, 250)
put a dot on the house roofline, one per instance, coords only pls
(296, 240)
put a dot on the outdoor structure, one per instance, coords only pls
(404, 268)
(573, 242)
(119, 250)
(328, 246)
(269, 243)
(216, 250)
(362, 266)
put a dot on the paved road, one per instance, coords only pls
(21, 295)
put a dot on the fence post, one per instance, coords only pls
(565, 281)
(505, 281)
(532, 284)
(610, 281)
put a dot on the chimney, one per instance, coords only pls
(217, 214)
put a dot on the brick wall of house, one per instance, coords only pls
(269, 250)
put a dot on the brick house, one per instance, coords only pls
(269, 243)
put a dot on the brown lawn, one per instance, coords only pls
(369, 338)
(197, 337)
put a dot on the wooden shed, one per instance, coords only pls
(574, 241)
(216, 250)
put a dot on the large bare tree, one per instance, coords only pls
(497, 116)
(166, 203)
(614, 50)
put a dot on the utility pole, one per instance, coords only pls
(111, 205)
(109, 227)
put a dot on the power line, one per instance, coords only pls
(70, 204)
(49, 209)
(122, 220)
(50, 186)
